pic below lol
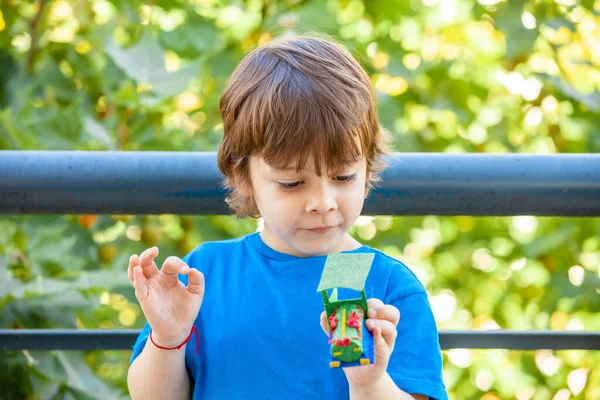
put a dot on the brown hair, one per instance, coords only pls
(294, 98)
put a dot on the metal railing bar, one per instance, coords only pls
(123, 339)
(78, 182)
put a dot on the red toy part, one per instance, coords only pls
(342, 342)
(354, 320)
(332, 322)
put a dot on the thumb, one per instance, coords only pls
(324, 324)
(196, 282)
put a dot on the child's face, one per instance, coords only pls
(306, 214)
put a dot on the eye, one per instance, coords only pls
(345, 178)
(290, 185)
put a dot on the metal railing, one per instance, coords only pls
(40, 182)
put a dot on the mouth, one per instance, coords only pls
(322, 229)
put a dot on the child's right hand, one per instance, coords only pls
(170, 307)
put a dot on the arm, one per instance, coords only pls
(170, 307)
(384, 389)
(159, 374)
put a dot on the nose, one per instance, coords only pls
(321, 200)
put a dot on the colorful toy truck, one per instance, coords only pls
(343, 280)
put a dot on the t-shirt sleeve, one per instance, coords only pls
(142, 338)
(416, 362)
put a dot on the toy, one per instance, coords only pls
(351, 342)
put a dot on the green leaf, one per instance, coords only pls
(105, 279)
(592, 100)
(48, 368)
(389, 9)
(7, 283)
(81, 378)
(95, 130)
(58, 252)
(173, 83)
(56, 128)
(8, 68)
(126, 96)
(68, 299)
(50, 77)
(145, 63)
(40, 287)
(9, 136)
(519, 40)
(195, 37)
(550, 242)
(533, 274)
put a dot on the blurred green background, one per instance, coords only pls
(451, 76)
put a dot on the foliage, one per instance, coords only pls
(451, 76)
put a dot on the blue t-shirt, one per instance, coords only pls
(260, 336)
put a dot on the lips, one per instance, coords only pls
(322, 229)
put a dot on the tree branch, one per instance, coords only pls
(34, 34)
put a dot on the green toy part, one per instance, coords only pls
(346, 317)
(346, 270)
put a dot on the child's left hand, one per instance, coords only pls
(382, 320)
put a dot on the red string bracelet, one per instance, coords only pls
(182, 344)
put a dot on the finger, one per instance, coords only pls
(173, 266)
(133, 261)
(147, 262)
(324, 324)
(139, 283)
(195, 282)
(387, 312)
(382, 351)
(374, 303)
(388, 330)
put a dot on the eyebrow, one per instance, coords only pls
(294, 168)
(286, 169)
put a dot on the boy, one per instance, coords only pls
(302, 146)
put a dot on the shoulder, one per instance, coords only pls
(401, 280)
(208, 251)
